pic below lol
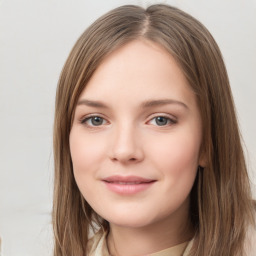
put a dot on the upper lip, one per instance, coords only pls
(130, 179)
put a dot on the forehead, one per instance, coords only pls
(139, 68)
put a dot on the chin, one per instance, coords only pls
(129, 220)
(129, 223)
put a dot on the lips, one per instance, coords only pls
(127, 184)
(128, 179)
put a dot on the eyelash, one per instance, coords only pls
(170, 121)
(84, 120)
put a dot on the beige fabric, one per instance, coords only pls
(98, 247)
(177, 250)
(250, 245)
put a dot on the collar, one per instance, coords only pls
(98, 247)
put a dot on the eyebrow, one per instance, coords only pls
(152, 103)
(91, 103)
(145, 104)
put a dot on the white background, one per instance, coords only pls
(35, 39)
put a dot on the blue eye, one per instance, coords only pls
(94, 121)
(162, 121)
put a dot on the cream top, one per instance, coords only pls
(98, 247)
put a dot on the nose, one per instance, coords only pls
(126, 145)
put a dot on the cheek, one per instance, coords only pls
(177, 158)
(177, 162)
(178, 149)
(86, 151)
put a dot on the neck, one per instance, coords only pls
(126, 241)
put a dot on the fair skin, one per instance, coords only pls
(135, 144)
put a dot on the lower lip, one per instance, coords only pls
(128, 189)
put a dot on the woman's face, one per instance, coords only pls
(136, 138)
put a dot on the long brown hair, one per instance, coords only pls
(221, 201)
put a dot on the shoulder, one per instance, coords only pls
(250, 245)
(97, 245)
(188, 248)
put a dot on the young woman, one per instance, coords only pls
(148, 158)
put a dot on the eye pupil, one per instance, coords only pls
(96, 120)
(160, 120)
